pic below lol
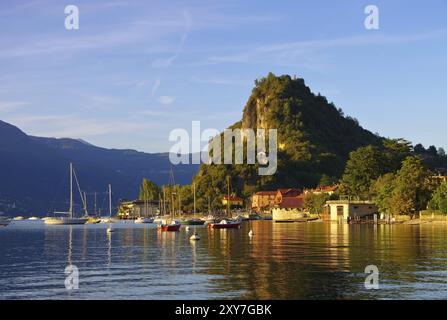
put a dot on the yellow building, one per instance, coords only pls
(129, 210)
(263, 200)
(234, 201)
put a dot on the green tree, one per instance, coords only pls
(149, 190)
(439, 199)
(382, 190)
(314, 203)
(412, 190)
(363, 167)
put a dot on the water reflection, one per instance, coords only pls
(280, 261)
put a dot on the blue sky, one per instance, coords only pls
(135, 70)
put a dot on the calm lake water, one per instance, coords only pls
(281, 261)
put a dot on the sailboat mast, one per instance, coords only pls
(110, 200)
(194, 191)
(71, 190)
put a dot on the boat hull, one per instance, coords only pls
(224, 225)
(65, 221)
(174, 227)
(143, 220)
(193, 222)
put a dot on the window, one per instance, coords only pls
(340, 211)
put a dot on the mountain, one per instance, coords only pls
(34, 171)
(314, 139)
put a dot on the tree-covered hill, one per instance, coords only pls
(314, 140)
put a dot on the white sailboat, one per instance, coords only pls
(71, 219)
(144, 219)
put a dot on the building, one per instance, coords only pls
(129, 210)
(354, 210)
(290, 208)
(330, 190)
(286, 193)
(234, 201)
(263, 200)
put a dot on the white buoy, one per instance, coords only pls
(250, 234)
(195, 237)
(187, 229)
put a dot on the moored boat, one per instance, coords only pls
(70, 219)
(173, 226)
(65, 221)
(143, 220)
(193, 222)
(225, 224)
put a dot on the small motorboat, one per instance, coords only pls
(19, 218)
(65, 221)
(193, 222)
(195, 237)
(173, 226)
(143, 220)
(34, 218)
(225, 224)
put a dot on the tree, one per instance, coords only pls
(439, 199)
(432, 151)
(363, 167)
(419, 149)
(314, 203)
(382, 190)
(149, 191)
(441, 152)
(411, 192)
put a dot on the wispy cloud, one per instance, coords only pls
(72, 126)
(305, 53)
(166, 100)
(11, 105)
(155, 86)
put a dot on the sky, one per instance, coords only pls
(136, 70)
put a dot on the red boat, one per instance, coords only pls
(170, 227)
(225, 224)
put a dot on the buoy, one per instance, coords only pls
(250, 234)
(187, 228)
(195, 237)
(109, 230)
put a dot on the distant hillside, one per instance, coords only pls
(314, 139)
(34, 171)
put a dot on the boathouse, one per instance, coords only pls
(129, 210)
(352, 209)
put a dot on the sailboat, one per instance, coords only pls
(170, 224)
(193, 221)
(71, 219)
(144, 219)
(226, 223)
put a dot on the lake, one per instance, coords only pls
(315, 260)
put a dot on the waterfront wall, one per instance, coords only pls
(287, 214)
